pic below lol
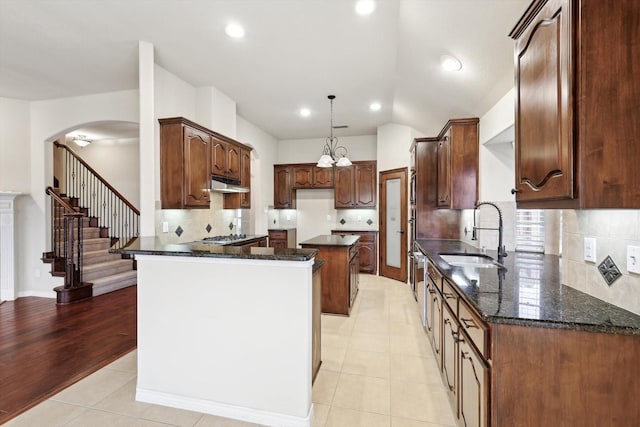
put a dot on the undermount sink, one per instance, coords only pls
(470, 260)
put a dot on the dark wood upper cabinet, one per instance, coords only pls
(184, 166)
(308, 175)
(576, 104)
(189, 155)
(457, 186)
(241, 200)
(355, 185)
(225, 159)
(283, 193)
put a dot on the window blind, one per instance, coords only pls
(530, 230)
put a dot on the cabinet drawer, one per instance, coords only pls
(475, 328)
(450, 296)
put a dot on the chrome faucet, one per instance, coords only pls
(502, 252)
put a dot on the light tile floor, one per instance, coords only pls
(377, 370)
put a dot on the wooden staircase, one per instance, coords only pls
(90, 218)
(101, 271)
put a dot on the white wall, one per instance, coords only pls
(394, 142)
(309, 150)
(32, 166)
(263, 158)
(216, 111)
(118, 162)
(15, 176)
(497, 170)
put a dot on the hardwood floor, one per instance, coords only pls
(44, 348)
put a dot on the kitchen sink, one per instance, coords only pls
(470, 260)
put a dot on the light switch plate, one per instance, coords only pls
(633, 259)
(165, 227)
(589, 252)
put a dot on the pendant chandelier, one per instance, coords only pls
(332, 152)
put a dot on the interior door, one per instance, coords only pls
(393, 224)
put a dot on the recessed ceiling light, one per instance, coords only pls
(450, 63)
(305, 112)
(235, 31)
(365, 7)
(375, 106)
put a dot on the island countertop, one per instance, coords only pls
(153, 246)
(529, 292)
(331, 240)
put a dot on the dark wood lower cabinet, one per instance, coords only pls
(367, 249)
(505, 375)
(284, 238)
(340, 276)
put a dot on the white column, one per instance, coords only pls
(7, 247)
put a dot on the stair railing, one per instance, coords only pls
(113, 211)
(66, 239)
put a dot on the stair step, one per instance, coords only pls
(96, 257)
(90, 245)
(87, 232)
(96, 271)
(114, 282)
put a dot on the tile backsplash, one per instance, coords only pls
(613, 231)
(198, 223)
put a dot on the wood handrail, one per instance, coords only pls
(66, 205)
(97, 175)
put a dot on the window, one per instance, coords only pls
(530, 230)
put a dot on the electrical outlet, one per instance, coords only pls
(589, 252)
(633, 259)
(165, 227)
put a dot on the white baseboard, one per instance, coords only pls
(41, 294)
(224, 410)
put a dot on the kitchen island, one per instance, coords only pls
(516, 347)
(340, 274)
(227, 330)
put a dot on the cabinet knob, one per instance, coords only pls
(514, 191)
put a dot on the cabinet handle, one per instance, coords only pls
(448, 295)
(514, 191)
(468, 323)
(456, 338)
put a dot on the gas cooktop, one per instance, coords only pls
(227, 239)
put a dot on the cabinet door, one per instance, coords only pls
(474, 382)
(322, 177)
(344, 188)
(354, 269)
(282, 193)
(544, 114)
(241, 200)
(245, 177)
(233, 162)
(303, 176)
(218, 157)
(365, 186)
(450, 355)
(367, 254)
(430, 318)
(437, 326)
(444, 172)
(196, 168)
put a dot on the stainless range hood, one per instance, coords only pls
(223, 185)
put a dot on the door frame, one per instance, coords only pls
(395, 273)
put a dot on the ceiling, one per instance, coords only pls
(294, 54)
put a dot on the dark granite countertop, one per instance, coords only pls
(529, 292)
(152, 246)
(281, 228)
(354, 230)
(331, 240)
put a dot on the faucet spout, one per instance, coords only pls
(502, 252)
